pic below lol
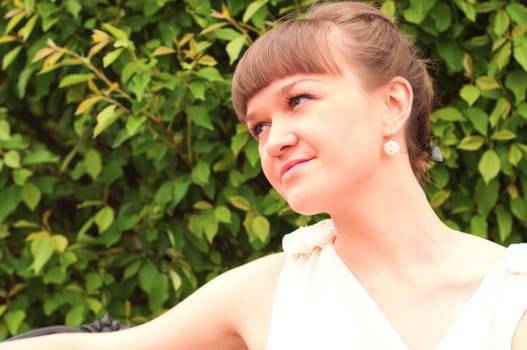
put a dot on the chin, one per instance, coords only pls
(305, 207)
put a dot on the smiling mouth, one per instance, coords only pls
(290, 165)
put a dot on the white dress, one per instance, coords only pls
(320, 305)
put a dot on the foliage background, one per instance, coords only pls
(126, 181)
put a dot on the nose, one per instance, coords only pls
(280, 138)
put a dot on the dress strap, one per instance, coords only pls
(305, 239)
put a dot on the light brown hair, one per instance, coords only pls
(359, 33)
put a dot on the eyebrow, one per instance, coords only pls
(284, 90)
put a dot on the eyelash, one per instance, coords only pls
(255, 129)
(292, 97)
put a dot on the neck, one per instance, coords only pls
(389, 225)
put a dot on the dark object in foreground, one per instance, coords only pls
(105, 324)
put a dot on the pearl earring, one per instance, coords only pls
(391, 147)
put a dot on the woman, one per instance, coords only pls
(339, 105)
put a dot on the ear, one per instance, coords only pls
(398, 102)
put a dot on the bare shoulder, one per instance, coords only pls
(485, 252)
(519, 341)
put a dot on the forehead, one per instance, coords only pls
(296, 47)
(280, 88)
(350, 81)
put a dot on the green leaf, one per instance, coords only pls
(519, 208)
(111, 56)
(516, 81)
(449, 114)
(42, 250)
(39, 157)
(31, 195)
(413, 16)
(502, 57)
(452, 54)
(471, 143)
(131, 270)
(12, 159)
(104, 218)
(234, 47)
(442, 16)
(478, 226)
(252, 9)
(21, 175)
(439, 198)
(52, 303)
(210, 74)
(59, 243)
(159, 294)
(197, 89)
(147, 277)
(176, 280)
(388, 8)
(487, 83)
(5, 130)
(11, 197)
(202, 205)
(238, 141)
(520, 53)
(13, 320)
(199, 116)
(478, 118)
(73, 79)
(134, 123)
(10, 57)
(223, 214)
(75, 316)
(240, 203)
(105, 118)
(201, 173)
(94, 305)
(518, 13)
(469, 93)
(504, 219)
(210, 227)
(503, 135)
(93, 163)
(181, 186)
(500, 23)
(93, 281)
(486, 195)
(261, 228)
(501, 110)
(74, 7)
(140, 82)
(117, 33)
(489, 165)
(468, 9)
(251, 152)
(27, 29)
(515, 155)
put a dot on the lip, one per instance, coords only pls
(291, 164)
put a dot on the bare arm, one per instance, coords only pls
(519, 341)
(226, 313)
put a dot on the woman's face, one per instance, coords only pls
(320, 137)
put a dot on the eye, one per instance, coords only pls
(295, 100)
(257, 129)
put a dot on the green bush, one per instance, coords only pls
(126, 181)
